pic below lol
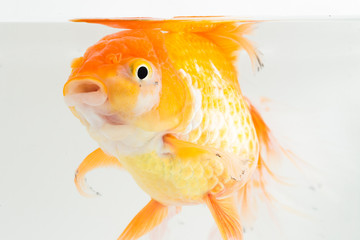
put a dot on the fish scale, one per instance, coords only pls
(237, 135)
(186, 183)
(171, 180)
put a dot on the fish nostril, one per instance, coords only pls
(85, 91)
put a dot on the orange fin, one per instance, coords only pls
(227, 33)
(94, 160)
(148, 218)
(176, 24)
(269, 154)
(159, 232)
(226, 216)
(229, 36)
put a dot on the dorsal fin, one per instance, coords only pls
(230, 38)
(176, 24)
(227, 33)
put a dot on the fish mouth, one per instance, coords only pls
(85, 90)
(88, 96)
(112, 119)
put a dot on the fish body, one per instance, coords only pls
(163, 101)
(222, 121)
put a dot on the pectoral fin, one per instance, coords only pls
(235, 167)
(94, 160)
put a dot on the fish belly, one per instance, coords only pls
(173, 181)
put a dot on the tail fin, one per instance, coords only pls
(269, 153)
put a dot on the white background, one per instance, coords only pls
(56, 10)
(311, 75)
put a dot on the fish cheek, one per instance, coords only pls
(123, 96)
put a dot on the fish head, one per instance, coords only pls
(126, 80)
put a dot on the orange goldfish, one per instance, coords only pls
(163, 101)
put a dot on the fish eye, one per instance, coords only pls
(141, 69)
(142, 72)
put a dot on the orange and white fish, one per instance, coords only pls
(163, 101)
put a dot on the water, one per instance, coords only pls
(311, 78)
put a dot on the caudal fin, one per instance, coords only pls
(270, 152)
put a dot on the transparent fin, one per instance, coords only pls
(226, 216)
(94, 160)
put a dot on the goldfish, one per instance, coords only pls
(163, 101)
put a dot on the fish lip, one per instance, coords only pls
(112, 119)
(95, 79)
(84, 90)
